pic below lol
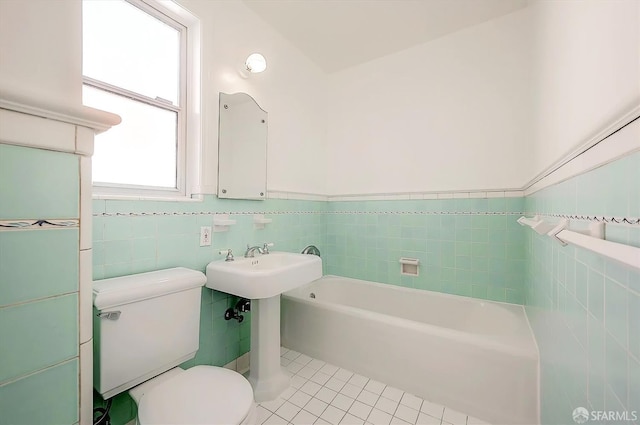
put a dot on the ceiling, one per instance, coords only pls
(337, 34)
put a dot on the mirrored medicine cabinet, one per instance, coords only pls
(242, 148)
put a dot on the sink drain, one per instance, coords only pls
(312, 295)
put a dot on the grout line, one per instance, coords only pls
(40, 299)
(41, 370)
(345, 412)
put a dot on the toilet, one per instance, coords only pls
(144, 326)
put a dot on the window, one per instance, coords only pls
(136, 64)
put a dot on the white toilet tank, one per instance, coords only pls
(143, 325)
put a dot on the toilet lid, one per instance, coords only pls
(200, 395)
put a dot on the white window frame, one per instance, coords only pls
(188, 110)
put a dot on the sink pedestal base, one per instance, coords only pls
(266, 375)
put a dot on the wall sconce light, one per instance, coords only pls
(255, 63)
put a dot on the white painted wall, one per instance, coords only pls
(41, 50)
(586, 56)
(451, 114)
(40, 47)
(292, 90)
(486, 107)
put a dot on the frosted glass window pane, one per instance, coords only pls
(141, 150)
(129, 48)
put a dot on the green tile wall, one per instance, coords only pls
(37, 334)
(585, 309)
(48, 397)
(37, 263)
(470, 247)
(38, 288)
(36, 183)
(125, 244)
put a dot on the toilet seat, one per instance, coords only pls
(199, 395)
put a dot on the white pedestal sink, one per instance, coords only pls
(262, 279)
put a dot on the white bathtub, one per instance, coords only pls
(477, 357)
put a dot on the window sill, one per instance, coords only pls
(166, 198)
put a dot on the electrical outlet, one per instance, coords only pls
(205, 236)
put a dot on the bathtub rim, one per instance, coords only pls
(407, 289)
(482, 340)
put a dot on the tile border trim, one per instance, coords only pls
(37, 224)
(629, 221)
(251, 213)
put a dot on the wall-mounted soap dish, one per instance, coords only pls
(409, 266)
(259, 220)
(221, 222)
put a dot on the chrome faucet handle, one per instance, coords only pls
(250, 252)
(265, 247)
(229, 254)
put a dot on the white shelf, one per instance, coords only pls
(221, 222)
(259, 220)
(625, 254)
(539, 226)
(592, 239)
(28, 101)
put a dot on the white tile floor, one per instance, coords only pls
(321, 393)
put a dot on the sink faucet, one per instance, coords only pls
(250, 252)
